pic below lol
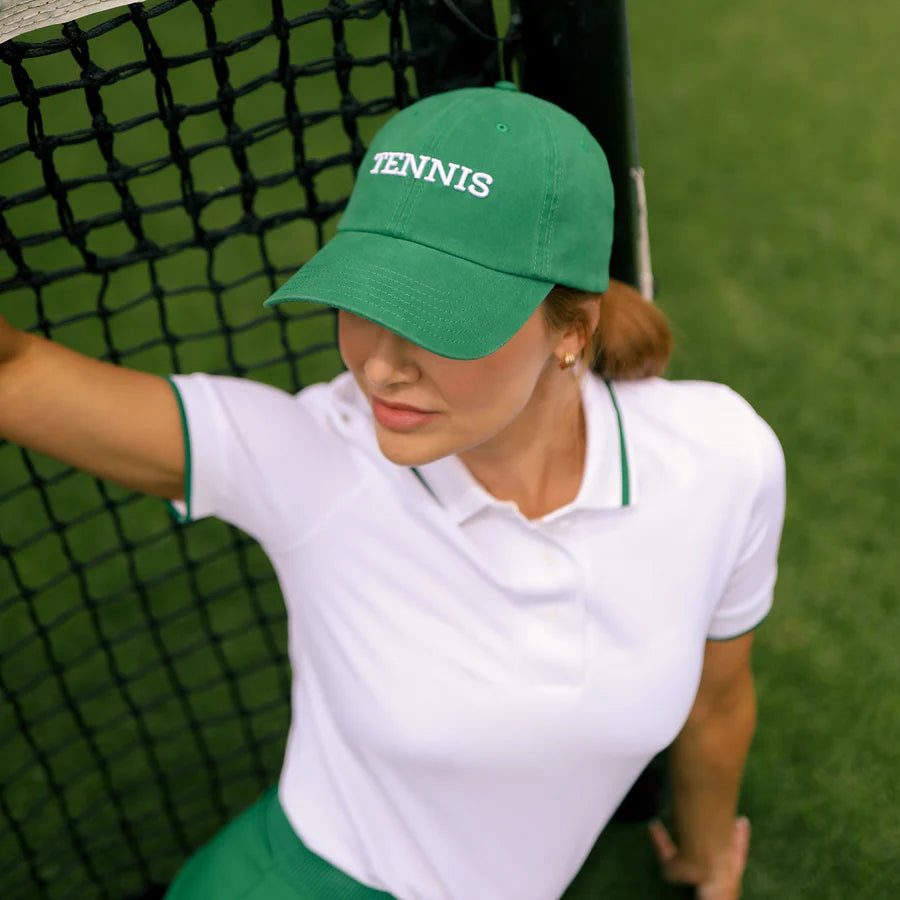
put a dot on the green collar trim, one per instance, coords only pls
(425, 484)
(623, 453)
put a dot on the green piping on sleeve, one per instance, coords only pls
(734, 637)
(187, 461)
(623, 456)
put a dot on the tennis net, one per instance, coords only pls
(164, 167)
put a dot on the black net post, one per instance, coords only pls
(576, 54)
(456, 43)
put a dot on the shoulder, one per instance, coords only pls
(697, 410)
(246, 403)
(321, 424)
(271, 462)
(688, 403)
(707, 421)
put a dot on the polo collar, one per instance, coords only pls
(609, 477)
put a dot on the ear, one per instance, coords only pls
(579, 335)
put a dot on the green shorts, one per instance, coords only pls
(259, 857)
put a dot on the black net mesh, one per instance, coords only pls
(164, 168)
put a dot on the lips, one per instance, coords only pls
(403, 406)
(400, 416)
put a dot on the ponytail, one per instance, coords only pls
(632, 339)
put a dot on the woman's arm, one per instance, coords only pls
(707, 762)
(111, 422)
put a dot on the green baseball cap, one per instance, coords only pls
(468, 208)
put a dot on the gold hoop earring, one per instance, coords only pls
(567, 362)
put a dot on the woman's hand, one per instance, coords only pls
(723, 880)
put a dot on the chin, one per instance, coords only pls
(408, 449)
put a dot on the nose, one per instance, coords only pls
(389, 361)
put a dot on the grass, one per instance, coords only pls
(767, 135)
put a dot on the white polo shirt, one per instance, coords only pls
(473, 692)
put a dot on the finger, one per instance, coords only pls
(662, 841)
(740, 843)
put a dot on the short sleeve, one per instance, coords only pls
(255, 457)
(748, 595)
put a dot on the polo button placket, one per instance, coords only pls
(552, 633)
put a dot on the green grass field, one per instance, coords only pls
(767, 133)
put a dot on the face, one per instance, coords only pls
(428, 406)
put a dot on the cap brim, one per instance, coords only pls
(446, 304)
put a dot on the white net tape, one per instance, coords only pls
(17, 17)
(645, 269)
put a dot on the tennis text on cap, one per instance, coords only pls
(430, 168)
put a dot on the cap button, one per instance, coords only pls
(505, 86)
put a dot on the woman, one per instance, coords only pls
(510, 581)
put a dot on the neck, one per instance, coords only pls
(537, 461)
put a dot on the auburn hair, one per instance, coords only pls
(632, 339)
